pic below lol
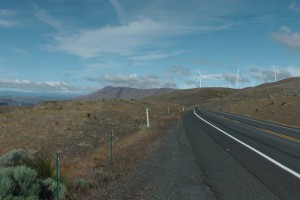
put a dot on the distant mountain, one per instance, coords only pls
(125, 93)
(15, 98)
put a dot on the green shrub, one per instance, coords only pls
(12, 158)
(49, 189)
(6, 184)
(42, 164)
(22, 183)
(26, 180)
(83, 184)
(19, 182)
(143, 126)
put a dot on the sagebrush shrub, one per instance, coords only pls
(19, 181)
(12, 158)
(30, 181)
(49, 188)
(26, 180)
(42, 165)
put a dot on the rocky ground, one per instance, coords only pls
(169, 173)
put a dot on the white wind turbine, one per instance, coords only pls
(252, 83)
(275, 72)
(228, 84)
(262, 77)
(200, 79)
(237, 78)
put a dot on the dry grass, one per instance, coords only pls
(79, 130)
(275, 102)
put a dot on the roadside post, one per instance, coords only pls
(147, 115)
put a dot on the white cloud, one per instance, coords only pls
(194, 79)
(19, 51)
(232, 78)
(34, 86)
(7, 23)
(120, 40)
(287, 37)
(267, 74)
(154, 56)
(293, 71)
(179, 71)
(5, 18)
(132, 80)
(294, 7)
(43, 16)
(129, 39)
(120, 11)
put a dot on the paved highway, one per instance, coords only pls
(245, 158)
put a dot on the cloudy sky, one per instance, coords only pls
(83, 45)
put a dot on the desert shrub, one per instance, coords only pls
(49, 189)
(143, 126)
(82, 184)
(283, 103)
(105, 176)
(6, 184)
(22, 183)
(30, 181)
(42, 164)
(12, 158)
(26, 180)
(19, 181)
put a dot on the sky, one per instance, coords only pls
(80, 46)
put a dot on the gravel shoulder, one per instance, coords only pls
(170, 172)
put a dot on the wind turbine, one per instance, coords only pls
(200, 79)
(275, 72)
(228, 84)
(252, 83)
(262, 77)
(237, 78)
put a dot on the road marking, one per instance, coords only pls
(262, 122)
(264, 130)
(253, 149)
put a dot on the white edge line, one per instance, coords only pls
(253, 149)
(238, 116)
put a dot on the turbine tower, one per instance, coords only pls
(237, 78)
(275, 72)
(262, 77)
(200, 79)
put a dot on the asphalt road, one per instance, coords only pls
(244, 158)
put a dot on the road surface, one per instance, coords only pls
(244, 158)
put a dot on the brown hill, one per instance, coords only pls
(125, 93)
(196, 96)
(271, 101)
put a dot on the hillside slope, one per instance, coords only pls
(125, 93)
(195, 96)
(276, 102)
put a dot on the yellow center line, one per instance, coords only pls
(264, 130)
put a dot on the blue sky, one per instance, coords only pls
(79, 46)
